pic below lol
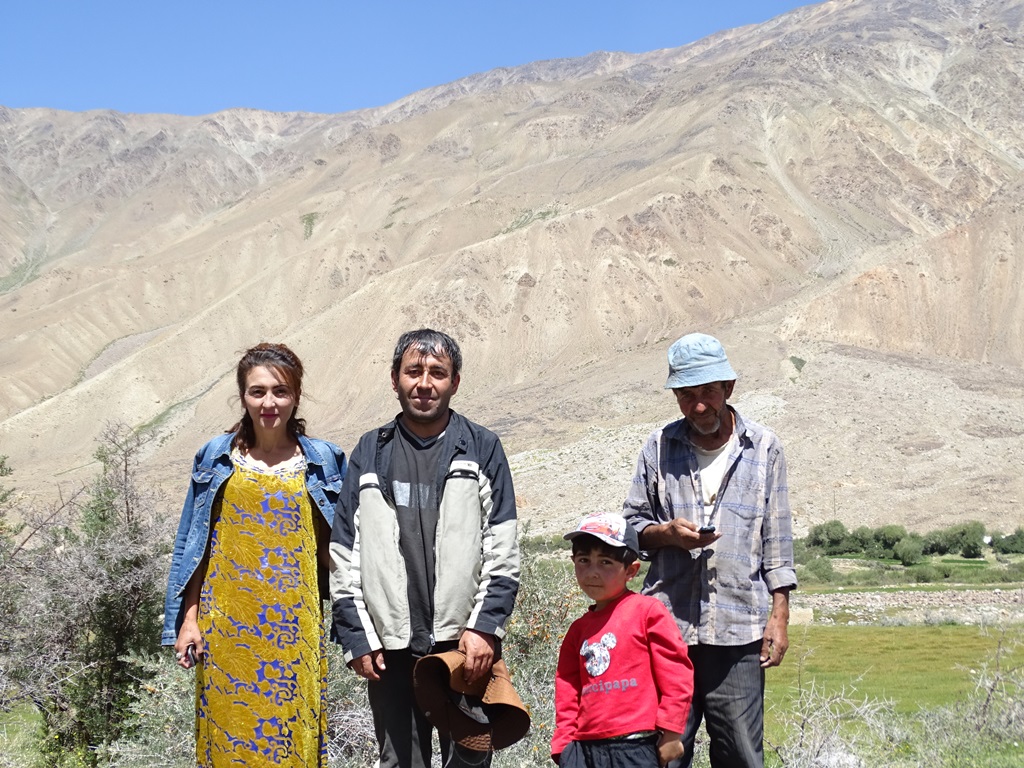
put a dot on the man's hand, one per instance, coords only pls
(678, 533)
(366, 666)
(669, 747)
(479, 650)
(776, 631)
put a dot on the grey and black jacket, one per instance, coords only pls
(476, 552)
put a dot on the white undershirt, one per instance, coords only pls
(712, 466)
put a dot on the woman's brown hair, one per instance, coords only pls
(286, 364)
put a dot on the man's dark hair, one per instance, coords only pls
(586, 543)
(427, 341)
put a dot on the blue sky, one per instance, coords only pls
(193, 58)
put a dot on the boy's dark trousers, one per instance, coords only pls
(620, 752)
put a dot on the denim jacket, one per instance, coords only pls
(325, 469)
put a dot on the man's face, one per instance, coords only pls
(704, 405)
(425, 386)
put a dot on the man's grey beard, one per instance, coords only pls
(706, 432)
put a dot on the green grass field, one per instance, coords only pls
(17, 733)
(912, 666)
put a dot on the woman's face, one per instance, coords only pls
(268, 399)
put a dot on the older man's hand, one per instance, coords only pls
(679, 533)
(776, 632)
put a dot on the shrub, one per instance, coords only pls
(350, 736)
(818, 729)
(924, 574)
(985, 729)
(162, 718)
(819, 569)
(85, 599)
(866, 577)
(549, 600)
(802, 553)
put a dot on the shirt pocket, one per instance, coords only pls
(202, 478)
(332, 486)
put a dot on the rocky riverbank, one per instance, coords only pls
(990, 607)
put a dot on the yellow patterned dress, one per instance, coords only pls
(261, 690)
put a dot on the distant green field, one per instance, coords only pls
(912, 666)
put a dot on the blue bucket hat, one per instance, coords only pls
(697, 359)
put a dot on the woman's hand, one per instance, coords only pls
(188, 636)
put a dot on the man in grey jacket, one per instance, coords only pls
(710, 503)
(424, 552)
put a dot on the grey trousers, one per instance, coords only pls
(403, 732)
(728, 694)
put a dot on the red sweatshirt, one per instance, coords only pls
(623, 669)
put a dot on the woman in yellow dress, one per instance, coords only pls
(248, 574)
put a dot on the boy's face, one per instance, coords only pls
(601, 577)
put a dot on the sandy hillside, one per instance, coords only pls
(834, 192)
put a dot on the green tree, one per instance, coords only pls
(909, 550)
(830, 536)
(864, 539)
(888, 536)
(936, 543)
(1009, 545)
(967, 538)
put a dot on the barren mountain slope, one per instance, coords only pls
(837, 187)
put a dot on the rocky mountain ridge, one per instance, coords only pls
(835, 193)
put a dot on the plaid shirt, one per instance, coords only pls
(720, 595)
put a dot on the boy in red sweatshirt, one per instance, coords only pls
(624, 680)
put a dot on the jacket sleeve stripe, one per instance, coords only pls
(351, 624)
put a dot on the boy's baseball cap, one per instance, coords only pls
(610, 528)
(697, 359)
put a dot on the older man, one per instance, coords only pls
(710, 504)
(424, 553)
